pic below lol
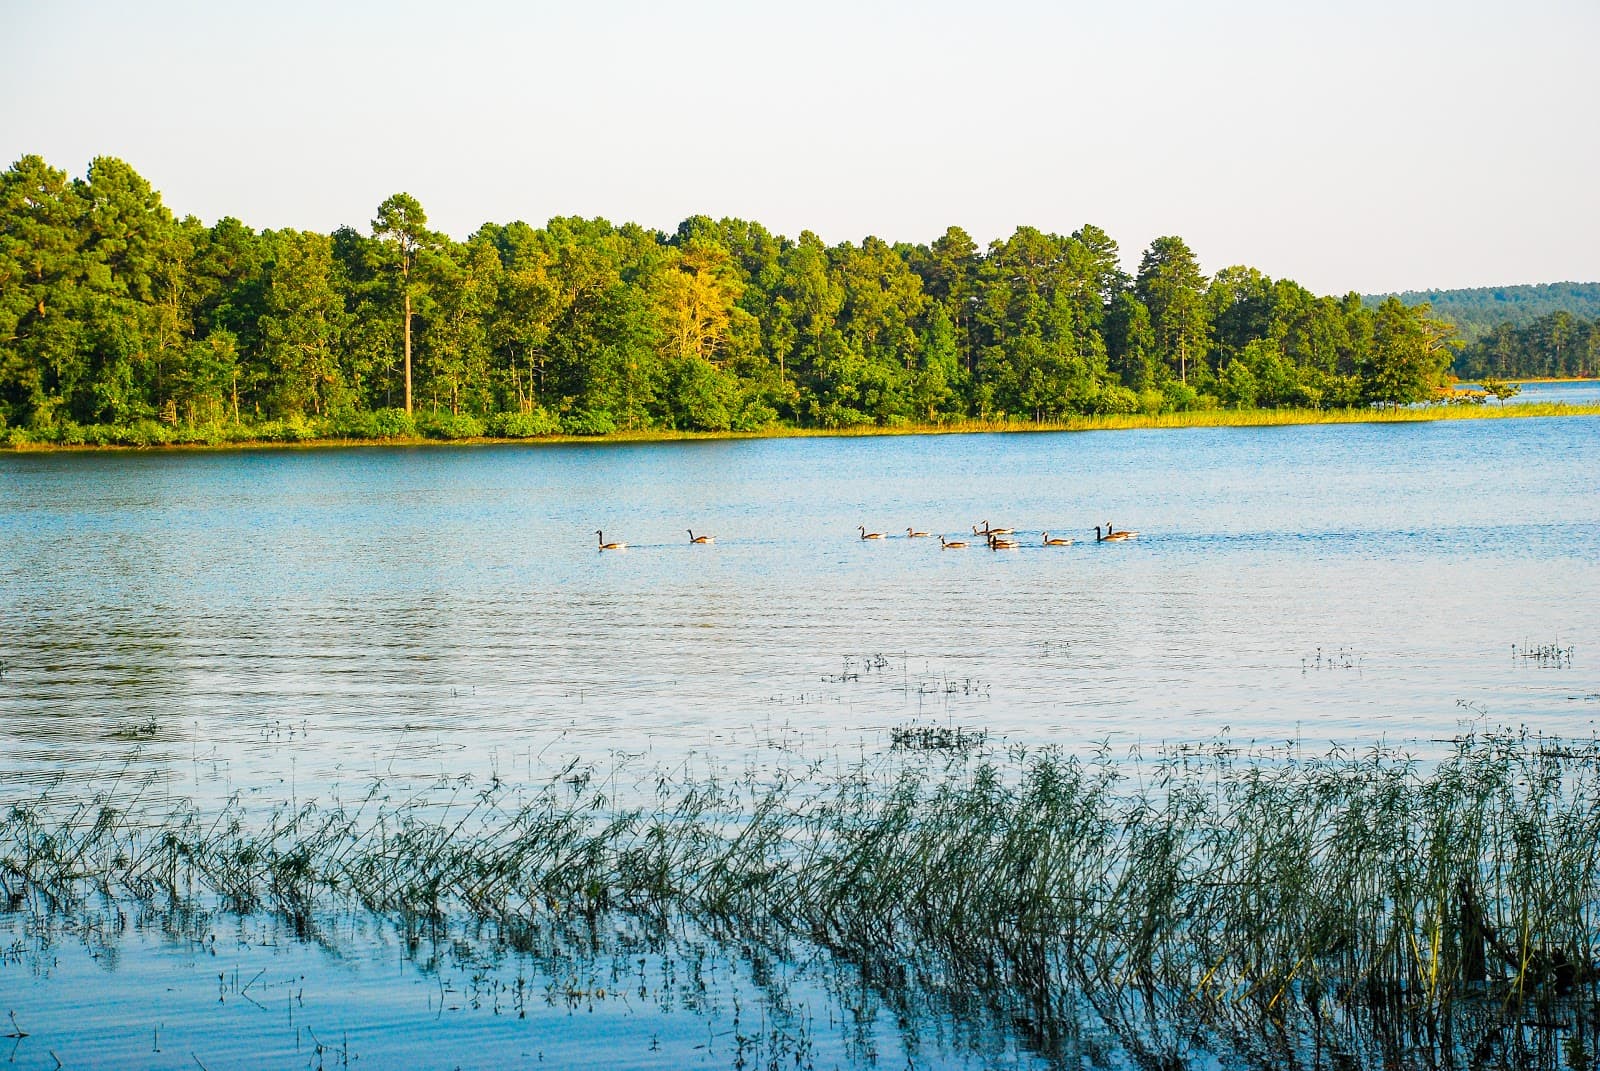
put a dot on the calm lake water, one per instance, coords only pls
(296, 622)
(446, 610)
(1572, 392)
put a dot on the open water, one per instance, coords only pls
(291, 623)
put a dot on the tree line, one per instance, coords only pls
(1555, 346)
(121, 322)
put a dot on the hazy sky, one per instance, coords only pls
(1348, 145)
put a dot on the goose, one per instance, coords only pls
(952, 544)
(987, 531)
(700, 539)
(868, 535)
(1111, 535)
(609, 546)
(996, 543)
(1057, 542)
(912, 533)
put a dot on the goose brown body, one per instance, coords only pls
(1112, 536)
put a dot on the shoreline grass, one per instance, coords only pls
(1205, 418)
(1291, 896)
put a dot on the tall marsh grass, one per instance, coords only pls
(467, 431)
(1360, 904)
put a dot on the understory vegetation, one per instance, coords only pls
(1353, 908)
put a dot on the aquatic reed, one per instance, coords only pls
(1313, 897)
(275, 437)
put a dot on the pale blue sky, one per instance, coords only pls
(1365, 146)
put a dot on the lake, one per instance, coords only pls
(1569, 392)
(290, 624)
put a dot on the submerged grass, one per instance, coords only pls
(1356, 904)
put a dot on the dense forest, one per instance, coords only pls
(120, 322)
(1557, 345)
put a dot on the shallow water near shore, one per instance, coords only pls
(293, 625)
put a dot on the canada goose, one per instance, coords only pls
(609, 546)
(1057, 542)
(700, 539)
(912, 533)
(868, 535)
(1111, 535)
(987, 531)
(952, 544)
(996, 543)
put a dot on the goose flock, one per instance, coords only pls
(1001, 538)
(994, 538)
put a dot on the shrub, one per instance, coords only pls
(1117, 399)
(837, 415)
(284, 431)
(1179, 397)
(392, 424)
(524, 425)
(140, 433)
(352, 425)
(589, 422)
(754, 416)
(449, 426)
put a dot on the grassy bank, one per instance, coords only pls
(1290, 898)
(246, 438)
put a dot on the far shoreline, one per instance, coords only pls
(1204, 418)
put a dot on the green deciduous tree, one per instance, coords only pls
(1409, 356)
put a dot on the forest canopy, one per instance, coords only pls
(120, 322)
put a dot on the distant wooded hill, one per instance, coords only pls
(1545, 329)
(1478, 310)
